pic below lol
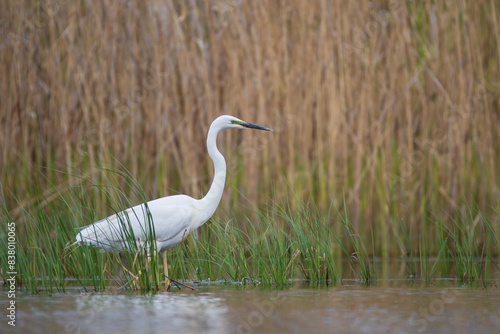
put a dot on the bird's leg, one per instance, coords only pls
(167, 278)
(165, 270)
(184, 236)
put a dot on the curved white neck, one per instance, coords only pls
(212, 198)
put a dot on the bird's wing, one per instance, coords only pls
(168, 216)
(112, 232)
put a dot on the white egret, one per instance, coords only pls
(172, 217)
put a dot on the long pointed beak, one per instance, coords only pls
(255, 126)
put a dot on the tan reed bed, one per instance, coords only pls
(392, 106)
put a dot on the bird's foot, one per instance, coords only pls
(167, 284)
(182, 284)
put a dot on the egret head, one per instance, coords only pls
(236, 123)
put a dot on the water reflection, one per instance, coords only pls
(164, 313)
(227, 309)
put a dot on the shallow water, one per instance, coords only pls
(390, 307)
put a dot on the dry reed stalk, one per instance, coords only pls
(394, 104)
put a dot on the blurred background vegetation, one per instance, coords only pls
(390, 106)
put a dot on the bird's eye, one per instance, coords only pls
(236, 122)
